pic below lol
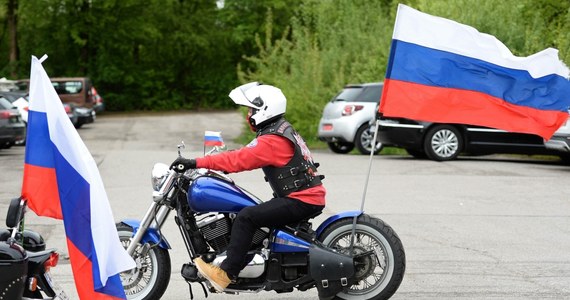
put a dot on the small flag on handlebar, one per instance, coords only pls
(213, 138)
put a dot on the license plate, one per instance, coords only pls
(59, 292)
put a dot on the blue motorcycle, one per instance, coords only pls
(350, 256)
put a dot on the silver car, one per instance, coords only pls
(346, 120)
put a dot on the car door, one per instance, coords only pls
(485, 139)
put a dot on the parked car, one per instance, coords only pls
(77, 91)
(12, 127)
(442, 142)
(345, 122)
(74, 90)
(77, 94)
(20, 100)
(560, 142)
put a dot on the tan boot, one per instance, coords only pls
(217, 277)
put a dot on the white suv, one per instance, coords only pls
(345, 122)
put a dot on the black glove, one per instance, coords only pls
(182, 164)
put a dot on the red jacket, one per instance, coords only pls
(265, 150)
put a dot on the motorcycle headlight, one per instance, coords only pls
(158, 175)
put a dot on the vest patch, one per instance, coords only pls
(252, 144)
(304, 149)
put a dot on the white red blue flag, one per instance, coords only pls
(61, 180)
(213, 138)
(446, 72)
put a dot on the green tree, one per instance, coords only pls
(332, 43)
(140, 54)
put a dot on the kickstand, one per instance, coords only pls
(204, 288)
(190, 289)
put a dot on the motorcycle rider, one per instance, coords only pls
(288, 166)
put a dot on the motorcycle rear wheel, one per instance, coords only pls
(378, 276)
(150, 278)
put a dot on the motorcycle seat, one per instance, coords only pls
(305, 221)
(303, 227)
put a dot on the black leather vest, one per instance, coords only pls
(300, 173)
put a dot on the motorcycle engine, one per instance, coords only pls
(216, 229)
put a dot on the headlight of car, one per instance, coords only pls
(158, 175)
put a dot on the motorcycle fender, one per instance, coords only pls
(331, 219)
(331, 270)
(151, 235)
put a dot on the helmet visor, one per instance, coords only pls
(238, 94)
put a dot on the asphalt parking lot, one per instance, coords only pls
(490, 227)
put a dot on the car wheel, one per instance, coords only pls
(340, 147)
(443, 142)
(363, 140)
(565, 158)
(416, 153)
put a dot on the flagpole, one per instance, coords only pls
(373, 147)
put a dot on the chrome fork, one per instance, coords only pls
(152, 214)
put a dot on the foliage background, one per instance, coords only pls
(182, 54)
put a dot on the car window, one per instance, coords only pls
(5, 104)
(68, 87)
(360, 94)
(348, 94)
(371, 94)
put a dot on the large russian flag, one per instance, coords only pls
(446, 72)
(61, 180)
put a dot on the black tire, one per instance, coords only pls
(377, 278)
(363, 140)
(443, 142)
(340, 147)
(6, 145)
(416, 153)
(152, 275)
(565, 158)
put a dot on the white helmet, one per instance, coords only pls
(267, 102)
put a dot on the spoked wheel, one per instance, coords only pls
(151, 276)
(364, 140)
(443, 142)
(379, 274)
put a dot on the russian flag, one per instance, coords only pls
(213, 138)
(61, 180)
(446, 72)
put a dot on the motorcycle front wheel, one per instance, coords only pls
(378, 274)
(151, 276)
